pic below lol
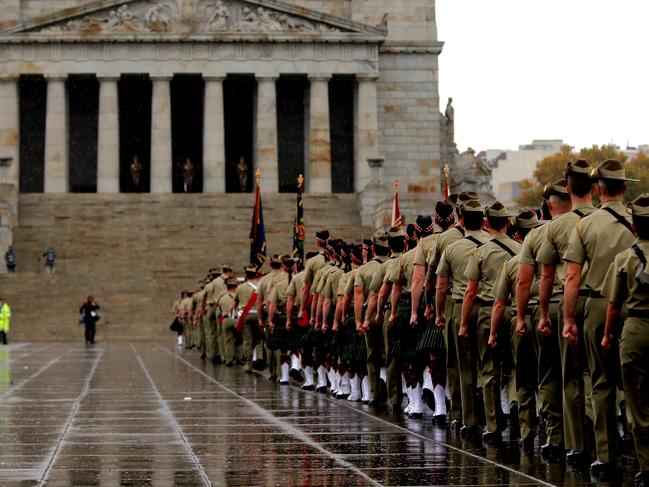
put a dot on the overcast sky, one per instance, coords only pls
(518, 70)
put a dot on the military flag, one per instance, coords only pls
(257, 231)
(397, 220)
(447, 190)
(298, 228)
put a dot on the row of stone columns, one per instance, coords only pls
(266, 151)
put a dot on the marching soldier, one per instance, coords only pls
(264, 289)
(481, 272)
(312, 266)
(596, 240)
(452, 266)
(244, 307)
(627, 284)
(224, 309)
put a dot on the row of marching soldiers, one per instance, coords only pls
(493, 321)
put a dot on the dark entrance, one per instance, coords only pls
(32, 95)
(341, 121)
(238, 105)
(134, 133)
(291, 93)
(83, 120)
(187, 93)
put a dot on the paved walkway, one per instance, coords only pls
(118, 414)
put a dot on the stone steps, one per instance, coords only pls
(135, 252)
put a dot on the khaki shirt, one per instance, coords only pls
(425, 248)
(342, 284)
(278, 294)
(558, 233)
(244, 292)
(266, 285)
(224, 303)
(530, 256)
(350, 277)
(330, 289)
(312, 266)
(295, 287)
(620, 284)
(402, 270)
(176, 306)
(442, 241)
(486, 261)
(214, 289)
(382, 272)
(505, 285)
(186, 305)
(597, 239)
(364, 276)
(454, 261)
(323, 276)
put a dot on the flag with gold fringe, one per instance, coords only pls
(397, 220)
(257, 231)
(298, 227)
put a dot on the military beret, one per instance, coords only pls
(527, 219)
(580, 166)
(558, 188)
(322, 236)
(458, 199)
(232, 282)
(497, 209)
(640, 205)
(473, 206)
(357, 254)
(611, 169)
(424, 224)
(411, 231)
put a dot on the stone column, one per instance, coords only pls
(367, 126)
(56, 137)
(108, 136)
(319, 179)
(213, 137)
(266, 133)
(161, 164)
(9, 140)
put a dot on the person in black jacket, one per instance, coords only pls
(89, 317)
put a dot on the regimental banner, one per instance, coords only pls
(257, 231)
(298, 227)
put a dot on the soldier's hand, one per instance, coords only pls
(428, 313)
(545, 326)
(393, 318)
(300, 314)
(324, 327)
(313, 322)
(359, 327)
(380, 316)
(414, 320)
(344, 319)
(463, 332)
(366, 324)
(440, 321)
(289, 326)
(521, 327)
(260, 322)
(493, 342)
(607, 341)
(570, 332)
(335, 326)
(325, 323)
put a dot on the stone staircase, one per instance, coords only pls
(135, 252)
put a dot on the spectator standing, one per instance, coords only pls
(10, 259)
(5, 319)
(50, 260)
(90, 317)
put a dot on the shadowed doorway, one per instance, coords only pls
(187, 93)
(238, 105)
(341, 119)
(83, 122)
(134, 133)
(291, 93)
(33, 93)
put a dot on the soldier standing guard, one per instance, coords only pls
(627, 284)
(596, 240)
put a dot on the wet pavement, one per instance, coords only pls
(145, 414)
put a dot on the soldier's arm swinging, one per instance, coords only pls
(545, 294)
(612, 314)
(260, 310)
(524, 280)
(338, 313)
(467, 306)
(318, 310)
(290, 303)
(394, 302)
(382, 300)
(271, 315)
(440, 301)
(359, 297)
(497, 316)
(418, 278)
(326, 309)
(371, 309)
(570, 297)
(306, 289)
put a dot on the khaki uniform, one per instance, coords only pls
(597, 239)
(186, 309)
(523, 348)
(452, 264)
(228, 323)
(393, 373)
(483, 267)
(295, 289)
(374, 337)
(263, 292)
(213, 329)
(250, 324)
(576, 380)
(622, 288)
(278, 296)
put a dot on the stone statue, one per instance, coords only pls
(242, 170)
(266, 21)
(156, 19)
(467, 173)
(295, 23)
(218, 19)
(136, 172)
(188, 175)
(450, 121)
(249, 21)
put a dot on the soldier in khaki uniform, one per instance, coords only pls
(452, 266)
(481, 272)
(596, 240)
(523, 346)
(210, 320)
(186, 318)
(312, 266)
(245, 307)
(214, 332)
(277, 299)
(263, 293)
(627, 285)
(576, 429)
(224, 307)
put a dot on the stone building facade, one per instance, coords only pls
(310, 86)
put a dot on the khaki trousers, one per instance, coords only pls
(523, 349)
(467, 354)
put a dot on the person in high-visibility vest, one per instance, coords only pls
(5, 319)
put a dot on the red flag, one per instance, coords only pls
(397, 220)
(447, 191)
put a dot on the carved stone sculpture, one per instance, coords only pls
(467, 173)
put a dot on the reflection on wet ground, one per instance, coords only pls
(145, 414)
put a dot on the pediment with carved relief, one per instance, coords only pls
(225, 17)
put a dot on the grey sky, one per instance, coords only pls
(524, 69)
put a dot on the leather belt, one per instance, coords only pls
(486, 302)
(639, 313)
(590, 293)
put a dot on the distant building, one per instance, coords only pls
(510, 167)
